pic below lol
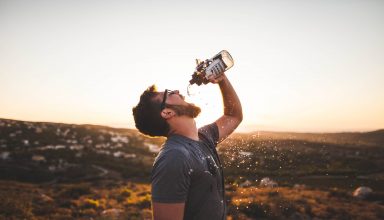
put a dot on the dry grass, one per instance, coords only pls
(289, 203)
(128, 200)
(124, 200)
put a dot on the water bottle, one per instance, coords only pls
(211, 68)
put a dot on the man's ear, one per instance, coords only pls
(167, 113)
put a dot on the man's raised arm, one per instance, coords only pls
(233, 113)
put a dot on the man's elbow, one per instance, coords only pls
(237, 119)
(239, 116)
(235, 115)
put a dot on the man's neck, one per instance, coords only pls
(184, 126)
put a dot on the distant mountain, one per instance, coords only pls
(49, 152)
(373, 138)
(42, 151)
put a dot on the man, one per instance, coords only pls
(187, 176)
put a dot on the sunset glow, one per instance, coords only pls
(299, 65)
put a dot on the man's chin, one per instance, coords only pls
(196, 113)
(194, 110)
(190, 110)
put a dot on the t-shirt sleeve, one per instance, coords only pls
(210, 133)
(170, 177)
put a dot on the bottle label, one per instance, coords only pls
(215, 69)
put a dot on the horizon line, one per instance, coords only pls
(115, 126)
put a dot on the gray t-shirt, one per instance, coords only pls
(190, 171)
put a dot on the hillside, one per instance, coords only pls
(373, 138)
(40, 151)
(319, 160)
(68, 171)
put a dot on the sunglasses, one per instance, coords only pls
(166, 93)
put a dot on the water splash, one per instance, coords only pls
(190, 91)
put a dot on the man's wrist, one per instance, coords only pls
(223, 80)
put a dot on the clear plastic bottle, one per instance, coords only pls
(211, 68)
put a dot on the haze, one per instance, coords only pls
(299, 65)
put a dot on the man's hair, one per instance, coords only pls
(147, 114)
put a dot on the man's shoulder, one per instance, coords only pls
(173, 149)
(172, 157)
(209, 134)
(208, 127)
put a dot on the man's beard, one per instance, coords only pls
(189, 110)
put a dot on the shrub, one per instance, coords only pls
(124, 194)
(75, 191)
(144, 202)
(90, 203)
(15, 206)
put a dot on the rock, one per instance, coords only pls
(112, 213)
(246, 183)
(299, 186)
(362, 192)
(38, 130)
(267, 182)
(119, 138)
(118, 154)
(76, 147)
(46, 198)
(245, 153)
(122, 154)
(38, 158)
(26, 142)
(153, 147)
(5, 155)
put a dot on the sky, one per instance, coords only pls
(305, 66)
